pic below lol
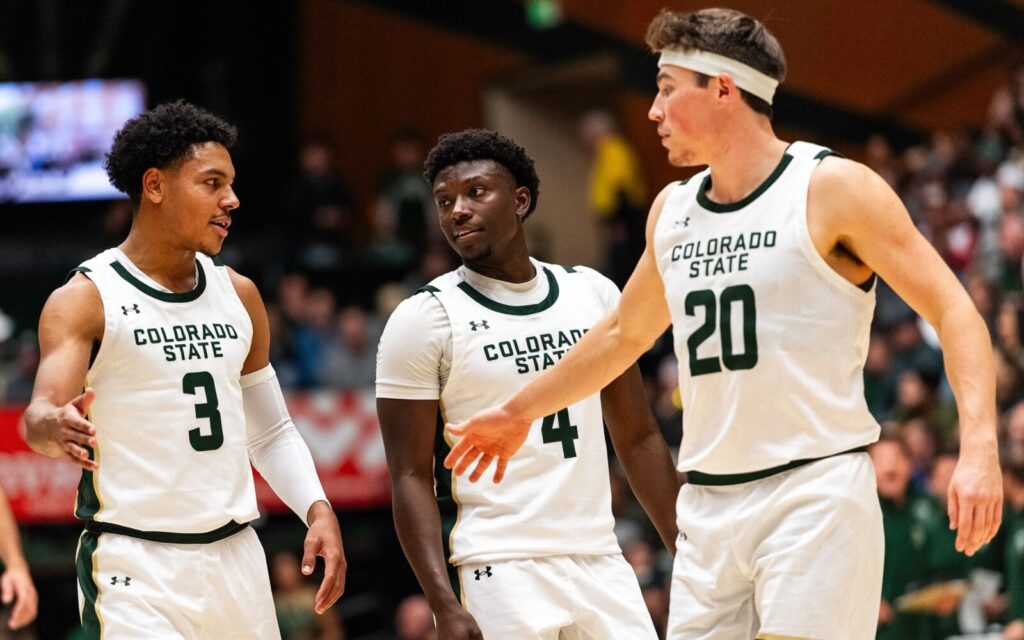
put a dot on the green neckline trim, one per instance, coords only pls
(163, 296)
(715, 207)
(512, 310)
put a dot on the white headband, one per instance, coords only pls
(711, 64)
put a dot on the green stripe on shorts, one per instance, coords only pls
(87, 583)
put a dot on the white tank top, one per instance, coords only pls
(555, 499)
(771, 341)
(170, 429)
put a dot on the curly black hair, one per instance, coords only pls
(481, 144)
(161, 138)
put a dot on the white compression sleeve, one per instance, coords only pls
(275, 447)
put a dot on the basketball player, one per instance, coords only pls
(172, 348)
(764, 264)
(533, 558)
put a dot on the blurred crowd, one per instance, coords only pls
(348, 265)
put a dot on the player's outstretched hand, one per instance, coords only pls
(324, 539)
(69, 431)
(975, 501)
(457, 624)
(16, 586)
(490, 435)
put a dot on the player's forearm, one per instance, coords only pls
(10, 541)
(418, 524)
(970, 368)
(38, 417)
(653, 478)
(593, 362)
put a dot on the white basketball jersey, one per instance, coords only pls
(555, 499)
(170, 429)
(771, 341)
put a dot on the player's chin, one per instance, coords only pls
(211, 247)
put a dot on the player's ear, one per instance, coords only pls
(153, 185)
(523, 200)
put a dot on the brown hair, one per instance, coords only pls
(725, 32)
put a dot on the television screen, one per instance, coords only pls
(54, 136)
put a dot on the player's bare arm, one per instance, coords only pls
(323, 538)
(16, 586)
(849, 205)
(70, 325)
(611, 345)
(642, 451)
(409, 429)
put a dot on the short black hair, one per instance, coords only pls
(481, 144)
(161, 138)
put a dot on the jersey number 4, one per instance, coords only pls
(208, 410)
(745, 359)
(566, 432)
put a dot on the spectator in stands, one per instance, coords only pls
(1013, 534)
(293, 600)
(618, 193)
(905, 566)
(312, 335)
(16, 588)
(321, 221)
(414, 620)
(404, 215)
(350, 355)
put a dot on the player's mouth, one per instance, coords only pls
(221, 224)
(465, 233)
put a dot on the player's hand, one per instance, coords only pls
(456, 623)
(16, 586)
(975, 500)
(68, 429)
(1014, 630)
(324, 539)
(486, 436)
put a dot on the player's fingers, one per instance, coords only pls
(997, 521)
(24, 611)
(965, 528)
(456, 429)
(83, 402)
(481, 466)
(952, 507)
(77, 436)
(6, 589)
(79, 456)
(309, 549)
(471, 456)
(333, 583)
(499, 471)
(457, 452)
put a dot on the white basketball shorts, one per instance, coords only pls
(795, 554)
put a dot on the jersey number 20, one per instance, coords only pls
(732, 360)
(208, 409)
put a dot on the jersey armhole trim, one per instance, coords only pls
(824, 153)
(427, 288)
(81, 269)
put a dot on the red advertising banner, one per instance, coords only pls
(340, 428)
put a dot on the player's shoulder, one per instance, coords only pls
(420, 308)
(585, 278)
(76, 306)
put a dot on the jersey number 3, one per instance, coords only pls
(733, 361)
(208, 410)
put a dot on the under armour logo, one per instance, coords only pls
(126, 582)
(479, 325)
(685, 222)
(134, 307)
(683, 536)
(486, 572)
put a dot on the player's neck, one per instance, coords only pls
(515, 268)
(743, 160)
(171, 266)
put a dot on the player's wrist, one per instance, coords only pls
(319, 509)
